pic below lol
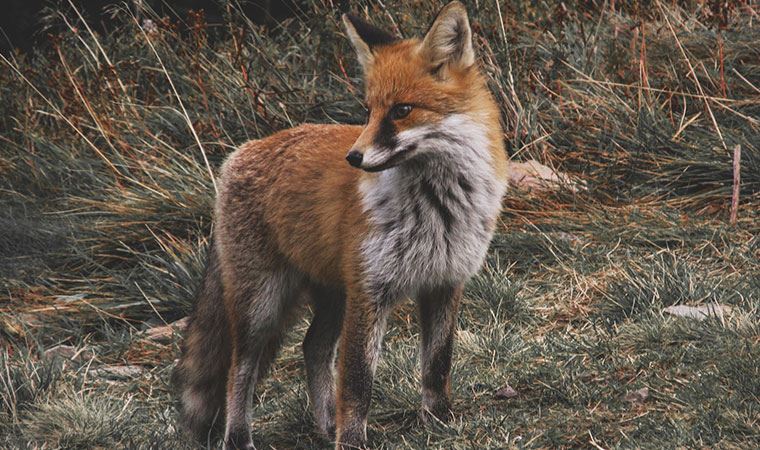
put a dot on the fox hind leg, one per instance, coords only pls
(319, 348)
(263, 305)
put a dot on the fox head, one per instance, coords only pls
(416, 88)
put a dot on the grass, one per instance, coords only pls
(105, 205)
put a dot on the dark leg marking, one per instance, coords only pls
(359, 349)
(319, 347)
(438, 317)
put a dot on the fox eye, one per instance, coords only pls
(400, 111)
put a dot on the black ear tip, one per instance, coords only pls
(358, 22)
(369, 33)
(351, 18)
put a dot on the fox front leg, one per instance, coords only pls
(438, 317)
(360, 343)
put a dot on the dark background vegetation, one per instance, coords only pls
(24, 26)
(112, 121)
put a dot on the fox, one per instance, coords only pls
(351, 219)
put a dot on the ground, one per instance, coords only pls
(107, 145)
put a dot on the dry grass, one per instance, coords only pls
(106, 142)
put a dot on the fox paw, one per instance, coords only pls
(328, 430)
(239, 441)
(351, 440)
(439, 411)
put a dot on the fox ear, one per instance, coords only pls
(449, 39)
(364, 37)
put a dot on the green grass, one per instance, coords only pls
(105, 208)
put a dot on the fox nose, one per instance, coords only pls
(354, 158)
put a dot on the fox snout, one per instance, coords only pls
(355, 158)
(375, 159)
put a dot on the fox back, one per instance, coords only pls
(355, 218)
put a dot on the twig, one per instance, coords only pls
(593, 442)
(721, 57)
(737, 181)
(746, 80)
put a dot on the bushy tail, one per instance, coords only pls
(200, 377)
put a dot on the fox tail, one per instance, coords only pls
(200, 377)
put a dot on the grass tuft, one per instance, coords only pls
(108, 143)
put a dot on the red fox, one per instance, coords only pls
(410, 214)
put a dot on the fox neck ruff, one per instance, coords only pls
(433, 217)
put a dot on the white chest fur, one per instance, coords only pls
(432, 217)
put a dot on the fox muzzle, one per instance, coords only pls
(355, 158)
